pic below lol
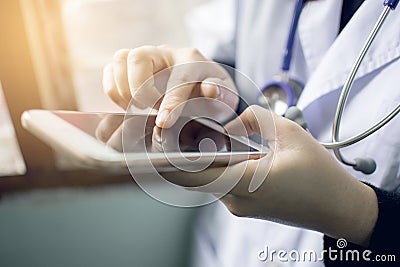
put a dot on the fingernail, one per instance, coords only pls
(162, 117)
(157, 134)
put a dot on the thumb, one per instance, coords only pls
(254, 119)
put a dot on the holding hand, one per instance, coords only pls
(298, 183)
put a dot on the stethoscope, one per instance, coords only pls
(282, 94)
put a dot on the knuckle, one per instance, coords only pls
(140, 54)
(136, 56)
(165, 47)
(181, 78)
(172, 101)
(121, 55)
(193, 53)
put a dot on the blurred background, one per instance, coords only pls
(51, 56)
(94, 30)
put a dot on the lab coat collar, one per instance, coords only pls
(317, 30)
(329, 70)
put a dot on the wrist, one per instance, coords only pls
(359, 214)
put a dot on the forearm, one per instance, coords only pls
(355, 215)
(384, 237)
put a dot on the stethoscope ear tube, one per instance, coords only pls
(361, 165)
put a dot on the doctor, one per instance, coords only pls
(325, 48)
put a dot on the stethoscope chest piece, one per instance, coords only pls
(280, 94)
(283, 92)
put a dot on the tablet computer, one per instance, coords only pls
(118, 140)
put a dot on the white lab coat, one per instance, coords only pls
(322, 60)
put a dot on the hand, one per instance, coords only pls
(299, 183)
(131, 77)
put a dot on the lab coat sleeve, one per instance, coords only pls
(385, 239)
(212, 30)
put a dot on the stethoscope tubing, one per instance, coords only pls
(287, 58)
(357, 138)
(365, 165)
(336, 144)
(283, 81)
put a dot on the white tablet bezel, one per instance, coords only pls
(60, 134)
